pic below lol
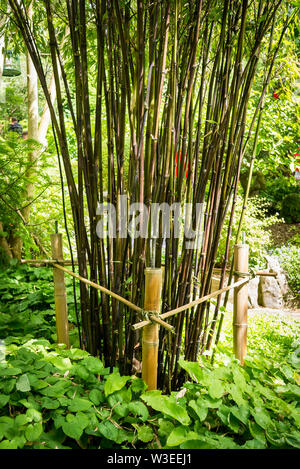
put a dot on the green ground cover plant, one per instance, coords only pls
(27, 303)
(56, 398)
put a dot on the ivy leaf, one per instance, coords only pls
(5, 371)
(96, 396)
(138, 386)
(82, 372)
(114, 383)
(72, 429)
(48, 403)
(61, 363)
(180, 435)
(241, 413)
(254, 444)
(193, 369)
(257, 432)
(138, 408)
(145, 433)
(34, 415)
(200, 408)
(293, 440)
(108, 430)
(78, 405)
(93, 364)
(236, 394)
(21, 420)
(34, 431)
(167, 405)
(5, 444)
(216, 389)
(239, 379)
(23, 384)
(261, 417)
(3, 400)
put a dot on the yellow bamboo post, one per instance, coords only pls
(60, 295)
(153, 282)
(240, 306)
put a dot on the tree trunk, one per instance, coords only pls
(4, 244)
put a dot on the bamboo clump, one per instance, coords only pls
(167, 124)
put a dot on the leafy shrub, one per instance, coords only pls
(290, 210)
(256, 220)
(289, 258)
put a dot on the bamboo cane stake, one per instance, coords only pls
(153, 283)
(60, 296)
(240, 307)
(141, 324)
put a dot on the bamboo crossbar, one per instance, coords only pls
(260, 273)
(47, 261)
(99, 287)
(193, 303)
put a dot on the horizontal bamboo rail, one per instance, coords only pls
(128, 303)
(192, 304)
(99, 287)
(47, 262)
(260, 273)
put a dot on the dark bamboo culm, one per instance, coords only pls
(167, 123)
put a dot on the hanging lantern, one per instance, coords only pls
(12, 67)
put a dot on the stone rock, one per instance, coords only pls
(274, 266)
(269, 293)
(253, 292)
